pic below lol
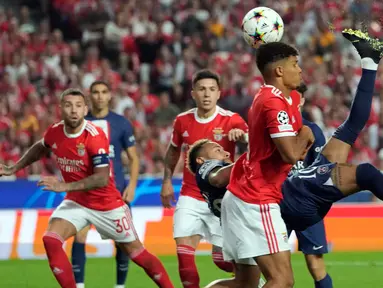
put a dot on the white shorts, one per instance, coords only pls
(193, 217)
(114, 224)
(251, 230)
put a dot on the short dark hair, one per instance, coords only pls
(193, 154)
(272, 52)
(98, 82)
(302, 88)
(205, 74)
(72, 91)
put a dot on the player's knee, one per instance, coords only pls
(131, 248)
(283, 280)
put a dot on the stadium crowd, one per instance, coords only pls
(148, 51)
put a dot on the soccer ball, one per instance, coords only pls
(262, 25)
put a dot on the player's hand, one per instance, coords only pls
(6, 170)
(128, 195)
(236, 135)
(53, 184)
(167, 194)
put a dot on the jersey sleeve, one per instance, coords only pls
(278, 119)
(98, 149)
(206, 168)
(128, 139)
(176, 139)
(319, 142)
(48, 138)
(239, 123)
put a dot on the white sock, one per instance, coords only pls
(119, 286)
(80, 285)
(369, 64)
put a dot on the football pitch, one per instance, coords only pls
(347, 270)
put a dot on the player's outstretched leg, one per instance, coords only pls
(58, 231)
(350, 179)
(338, 147)
(79, 256)
(150, 263)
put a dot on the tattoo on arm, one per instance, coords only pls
(94, 181)
(171, 159)
(35, 153)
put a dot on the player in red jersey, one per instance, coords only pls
(252, 225)
(82, 151)
(192, 218)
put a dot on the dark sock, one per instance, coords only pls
(349, 131)
(78, 261)
(326, 282)
(122, 263)
(370, 178)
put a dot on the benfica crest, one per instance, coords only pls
(218, 134)
(80, 149)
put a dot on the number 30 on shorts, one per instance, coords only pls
(122, 224)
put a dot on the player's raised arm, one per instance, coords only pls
(171, 159)
(35, 153)
(220, 177)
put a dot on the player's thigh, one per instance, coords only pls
(115, 224)
(81, 235)
(344, 178)
(312, 241)
(276, 266)
(187, 219)
(67, 219)
(247, 275)
(336, 151)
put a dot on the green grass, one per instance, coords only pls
(346, 269)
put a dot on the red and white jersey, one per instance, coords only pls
(76, 156)
(189, 128)
(258, 175)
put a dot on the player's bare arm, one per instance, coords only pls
(98, 179)
(134, 168)
(171, 159)
(220, 177)
(35, 153)
(292, 148)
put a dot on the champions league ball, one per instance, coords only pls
(262, 25)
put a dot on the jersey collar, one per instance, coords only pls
(78, 133)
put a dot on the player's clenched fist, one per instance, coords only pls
(6, 170)
(167, 194)
(51, 183)
(237, 135)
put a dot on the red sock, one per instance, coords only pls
(58, 261)
(221, 263)
(186, 266)
(153, 267)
